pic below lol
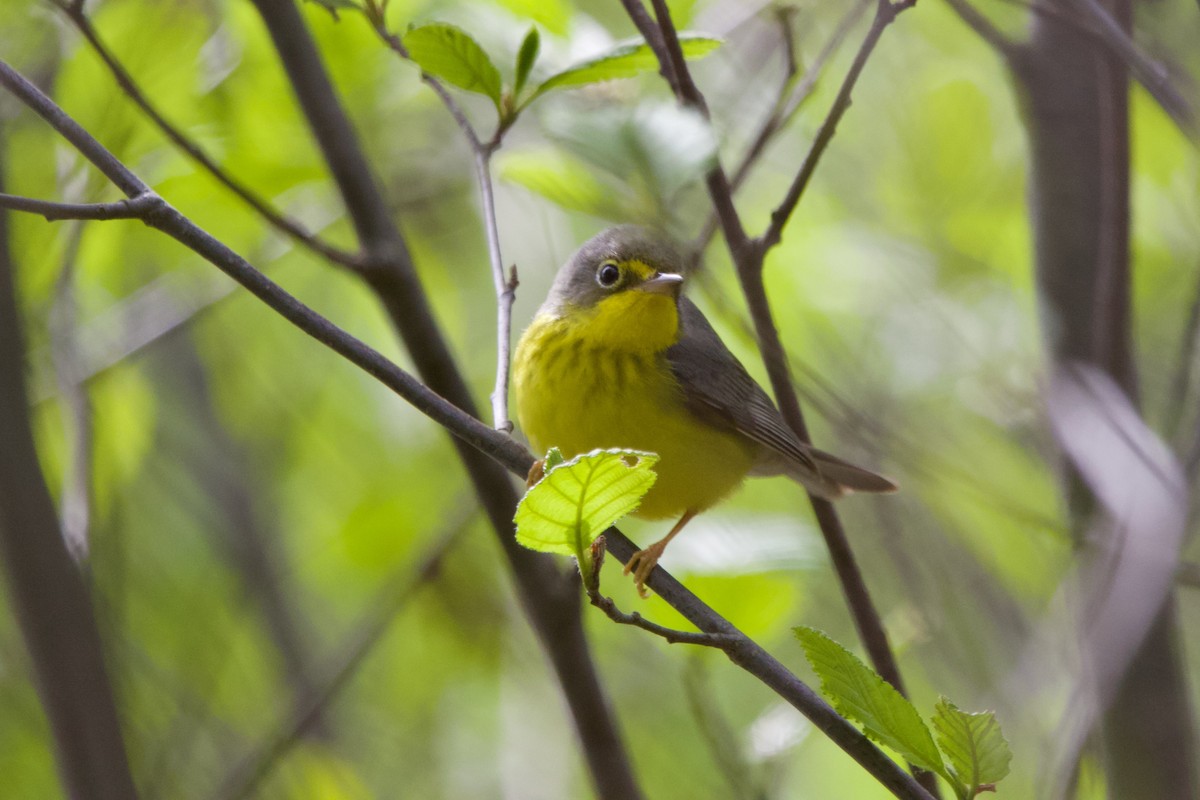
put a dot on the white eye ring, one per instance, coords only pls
(608, 275)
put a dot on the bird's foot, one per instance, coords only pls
(642, 563)
(536, 473)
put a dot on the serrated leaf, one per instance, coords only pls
(526, 57)
(973, 743)
(449, 53)
(625, 61)
(859, 693)
(576, 501)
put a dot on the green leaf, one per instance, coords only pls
(576, 501)
(625, 61)
(860, 694)
(525, 58)
(973, 743)
(449, 53)
(566, 181)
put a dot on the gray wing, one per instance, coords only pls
(717, 388)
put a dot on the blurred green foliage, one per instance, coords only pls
(904, 294)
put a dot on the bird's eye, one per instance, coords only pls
(608, 275)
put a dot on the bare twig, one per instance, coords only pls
(984, 28)
(793, 91)
(746, 653)
(505, 287)
(137, 322)
(591, 585)
(654, 38)
(1149, 73)
(347, 658)
(76, 502)
(75, 13)
(1094, 20)
(748, 255)
(885, 13)
(506, 292)
(549, 602)
(718, 640)
(130, 208)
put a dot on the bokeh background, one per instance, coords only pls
(267, 524)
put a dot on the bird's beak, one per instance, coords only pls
(662, 283)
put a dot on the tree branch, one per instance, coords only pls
(346, 659)
(46, 591)
(1076, 96)
(748, 257)
(130, 208)
(788, 101)
(298, 233)
(885, 13)
(506, 288)
(747, 654)
(1150, 74)
(69, 373)
(984, 28)
(552, 607)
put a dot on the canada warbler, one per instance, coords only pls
(615, 357)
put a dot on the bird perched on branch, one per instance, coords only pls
(616, 357)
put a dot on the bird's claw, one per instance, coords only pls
(641, 564)
(536, 473)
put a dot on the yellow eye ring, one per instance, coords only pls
(609, 274)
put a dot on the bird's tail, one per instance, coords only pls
(837, 477)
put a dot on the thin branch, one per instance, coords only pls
(76, 500)
(790, 98)
(551, 606)
(129, 208)
(674, 69)
(506, 288)
(748, 258)
(984, 28)
(137, 322)
(654, 38)
(721, 641)
(747, 654)
(1148, 72)
(346, 659)
(885, 13)
(803, 90)
(396, 44)
(748, 255)
(686, 88)
(161, 215)
(298, 233)
(506, 292)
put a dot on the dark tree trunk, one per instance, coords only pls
(1076, 97)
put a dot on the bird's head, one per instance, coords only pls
(621, 290)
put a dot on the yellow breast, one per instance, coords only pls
(577, 391)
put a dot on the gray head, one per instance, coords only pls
(627, 257)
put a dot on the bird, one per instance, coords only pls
(618, 357)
